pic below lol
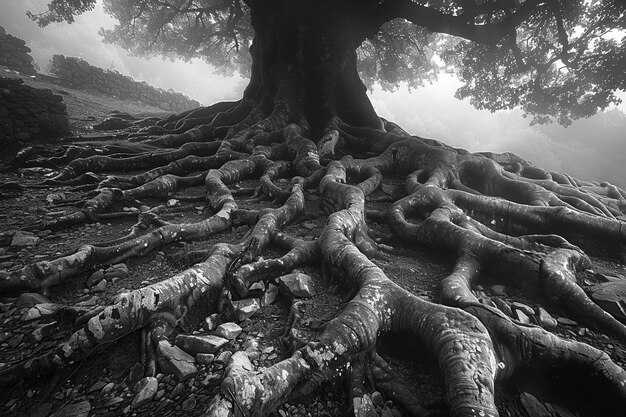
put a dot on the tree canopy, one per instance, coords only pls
(557, 60)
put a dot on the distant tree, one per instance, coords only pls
(305, 116)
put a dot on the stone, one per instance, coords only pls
(171, 202)
(100, 287)
(29, 299)
(545, 319)
(228, 330)
(503, 306)
(80, 409)
(117, 271)
(107, 389)
(499, 290)
(210, 323)
(363, 407)
(22, 239)
(516, 305)
(308, 225)
(190, 403)
(113, 401)
(566, 322)
(611, 296)
(246, 308)
(175, 361)
(96, 386)
(95, 278)
(177, 391)
(205, 358)
(533, 406)
(271, 293)
(224, 357)
(522, 317)
(41, 311)
(297, 284)
(146, 389)
(200, 343)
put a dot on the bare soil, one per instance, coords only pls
(415, 268)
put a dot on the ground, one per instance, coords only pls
(416, 269)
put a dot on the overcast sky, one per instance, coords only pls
(593, 149)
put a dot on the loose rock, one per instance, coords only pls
(146, 389)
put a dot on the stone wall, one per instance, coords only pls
(27, 113)
(14, 54)
(77, 73)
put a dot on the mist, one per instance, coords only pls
(591, 149)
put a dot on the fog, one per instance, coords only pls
(593, 149)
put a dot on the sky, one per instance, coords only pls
(591, 149)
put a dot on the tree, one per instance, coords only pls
(305, 116)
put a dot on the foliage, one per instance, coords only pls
(557, 60)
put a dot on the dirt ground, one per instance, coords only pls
(102, 384)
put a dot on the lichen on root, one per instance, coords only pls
(497, 214)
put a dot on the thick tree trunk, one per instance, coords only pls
(304, 61)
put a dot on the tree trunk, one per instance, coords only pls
(305, 63)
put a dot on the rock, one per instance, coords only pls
(190, 403)
(135, 374)
(523, 307)
(171, 202)
(107, 389)
(95, 278)
(177, 391)
(146, 389)
(160, 393)
(41, 311)
(533, 406)
(100, 287)
(29, 299)
(522, 317)
(80, 409)
(210, 323)
(611, 296)
(308, 225)
(200, 343)
(246, 308)
(174, 361)
(224, 357)
(545, 319)
(271, 293)
(566, 322)
(205, 358)
(297, 284)
(96, 386)
(117, 271)
(363, 407)
(228, 330)
(113, 401)
(22, 239)
(499, 290)
(503, 306)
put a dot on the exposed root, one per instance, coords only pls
(496, 213)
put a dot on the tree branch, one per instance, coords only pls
(456, 25)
